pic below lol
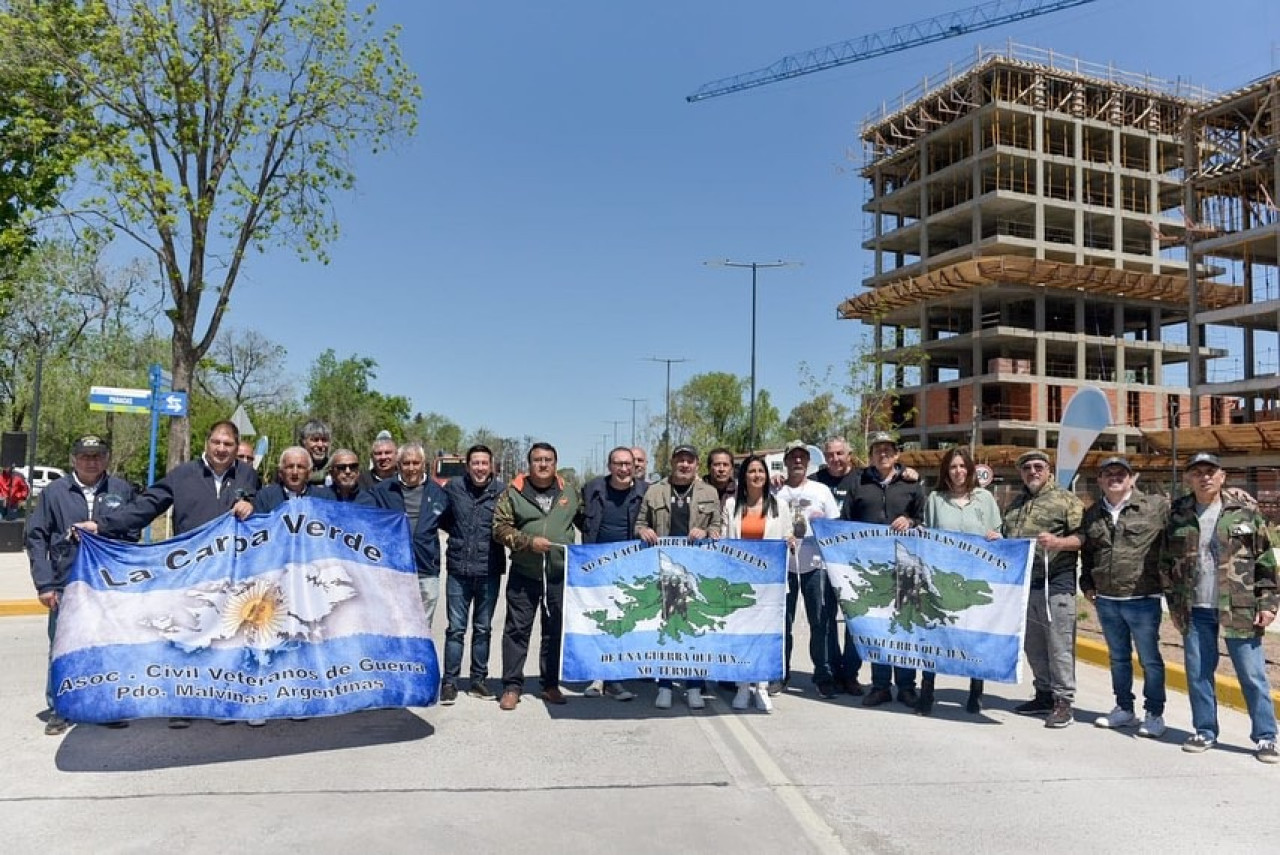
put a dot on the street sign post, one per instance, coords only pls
(110, 399)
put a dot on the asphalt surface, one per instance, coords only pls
(597, 775)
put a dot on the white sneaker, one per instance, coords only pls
(1116, 718)
(664, 699)
(595, 690)
(763, 701)
(694, 697)
(742, 700)
(1152, 726)
(618, 692)
(257, 722)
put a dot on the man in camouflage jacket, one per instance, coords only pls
(1218, 569)
(1051, 515)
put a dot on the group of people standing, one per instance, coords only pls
(1209, 555)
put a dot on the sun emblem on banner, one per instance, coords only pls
(258, 611)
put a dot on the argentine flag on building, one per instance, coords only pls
(311, 610)
(712, 611)
(926, 598)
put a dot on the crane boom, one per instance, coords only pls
(902, 37)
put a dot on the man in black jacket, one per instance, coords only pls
(292, 482)
(86, 494)
(475, 564)
(879, 495)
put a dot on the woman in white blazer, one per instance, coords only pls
(753, 513)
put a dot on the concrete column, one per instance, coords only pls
(1082, 349)
(1117, 204)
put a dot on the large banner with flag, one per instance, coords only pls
(311, 610)
(712, 611)
(937, 600)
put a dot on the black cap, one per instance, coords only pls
(685, 449)
(90, 444)
(1205, 458)
(1116, 461)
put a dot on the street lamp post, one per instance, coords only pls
(755, 266)
(615, 423)
(666, 434)
(633, 401)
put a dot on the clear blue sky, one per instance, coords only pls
(513, 264)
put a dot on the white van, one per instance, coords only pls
(44, 476)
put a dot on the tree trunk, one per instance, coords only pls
(184, 364)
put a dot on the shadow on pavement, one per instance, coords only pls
(150, 744)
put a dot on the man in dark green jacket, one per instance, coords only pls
(534, 519)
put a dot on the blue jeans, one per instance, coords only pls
(474, 598)
(810, 585)
(844, 666)
(1251, 670)
(1127, 624)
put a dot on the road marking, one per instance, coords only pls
(820, 833)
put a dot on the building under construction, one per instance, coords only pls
(1029, 225)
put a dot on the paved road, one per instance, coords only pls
(602, 776)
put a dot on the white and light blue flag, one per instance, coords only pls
(311, 610)
(712, 611)
(938, 600)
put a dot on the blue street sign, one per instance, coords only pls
(110, 399)
(172, 404)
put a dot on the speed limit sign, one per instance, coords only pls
(984, 474)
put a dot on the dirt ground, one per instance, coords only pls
(1171, 643)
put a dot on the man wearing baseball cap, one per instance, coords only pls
(1119, 574)
(1218, 569)
(680, 506)
(86, 494)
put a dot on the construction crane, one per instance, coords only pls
(973, 19)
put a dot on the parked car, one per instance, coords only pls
(44, 476)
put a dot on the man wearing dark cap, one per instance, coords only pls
(1218, 569)
(1051, 516)
(680, 506)
(1119, 574)
(882, 496)
(85, 494)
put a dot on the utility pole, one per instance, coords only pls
(615, 423)
(666, 434)
(633, 401)
(755, 266)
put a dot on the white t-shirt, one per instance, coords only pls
(808, 501)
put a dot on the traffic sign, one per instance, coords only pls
(110, 399)
(172, 404)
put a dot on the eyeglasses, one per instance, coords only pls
(621, 463)
(345, 467)
(1034, 467)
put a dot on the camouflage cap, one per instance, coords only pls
(1205, 458)
(1034, 454)
(881, 436)
(796, 445)
(1116, 461)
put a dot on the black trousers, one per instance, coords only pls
(526, 597)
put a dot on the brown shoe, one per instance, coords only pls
(510, 697)
(553, 695)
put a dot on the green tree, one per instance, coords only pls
(221, 126)
(818, 418)
(340, 393)
(714, 409)
(437, 433)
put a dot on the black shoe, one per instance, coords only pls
(179, 723)
(448, 694)
(826, 689)
(853, 687)
(1041, 704)
(908, 696)
(1061, 715)
(876, 697)
(974, 704)
(480, 689)
(924, 705)
(776, 687)
(56, 725)
(116, 725)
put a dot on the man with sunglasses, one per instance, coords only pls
(1050, 515)
(345, 476)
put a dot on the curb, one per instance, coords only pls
(1227, 689)
(17, 608)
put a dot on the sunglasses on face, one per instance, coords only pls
(345, 467)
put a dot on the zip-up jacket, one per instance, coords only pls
(1247, 559)
(190, 490)
(1122, 559)
(468, 520)
(594, 496)
(425, 537)
(61, 505)
(1053, 510)
(517, 520)
(273, 496)
(869, 500)
(704, 509)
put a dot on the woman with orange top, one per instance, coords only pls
(753, 513)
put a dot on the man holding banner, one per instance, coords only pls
(1050, 515)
